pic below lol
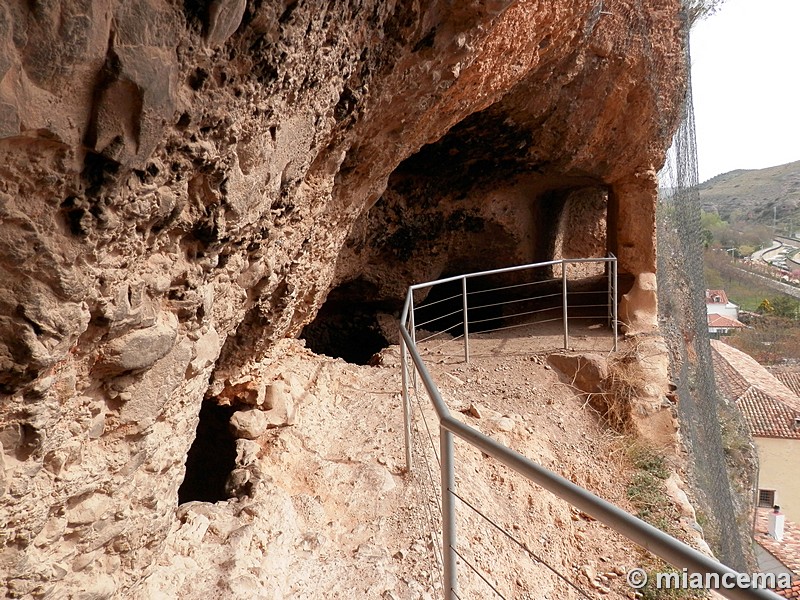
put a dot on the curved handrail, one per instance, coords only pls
(652, 539)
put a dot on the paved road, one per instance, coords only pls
(779, 286)
(766, 255)
(759, 254)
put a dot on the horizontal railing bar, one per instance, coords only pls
(429, 321)
(648, 537)
(530, 324)
(430, 337)
(530, 299)
(419, 286)
(508, 287)
(516, 285)
(588, 305)
(519, 314)
(578, 305)
(603, 259)
(435, 302)
(444, 343)
(510, 270)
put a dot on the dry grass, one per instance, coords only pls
(623, 385)
(647, 494)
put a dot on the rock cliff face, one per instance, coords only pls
(182, 184)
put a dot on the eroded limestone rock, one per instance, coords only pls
(279, 399)
(638, 309)
(224, 18)
(249, 424)
(141, 348)
(587, 372)
(182, 184)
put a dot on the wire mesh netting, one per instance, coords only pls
(681, 293)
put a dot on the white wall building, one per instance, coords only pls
(717, 303)
(723, 315)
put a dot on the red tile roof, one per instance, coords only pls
(768, 417)
(730, 382)
(789, 379)
(712, 294)
(792, 592)
(768, 406)
(715, 320)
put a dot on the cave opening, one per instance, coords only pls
(212, 457)
(348, 325)
(481, 197)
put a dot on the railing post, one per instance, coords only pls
(466, 319)
(449, 575)
(406, 403)
(610, 294)
(413, 336)
(614, 303)
(564, 302)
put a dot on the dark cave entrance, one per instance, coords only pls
(478, 198)
(212, 456)
(347, 325)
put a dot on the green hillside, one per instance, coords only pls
(755, 195)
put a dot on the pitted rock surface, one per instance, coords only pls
(183, 184)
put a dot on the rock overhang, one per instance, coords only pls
(163, 165)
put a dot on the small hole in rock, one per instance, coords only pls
(212, 456)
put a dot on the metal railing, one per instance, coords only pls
(610, 304)
(648, 537)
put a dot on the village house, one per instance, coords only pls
(770, 406)
(723, 315)
(772, 413)
(778, 556)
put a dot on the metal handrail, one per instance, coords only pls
(652, 539)
(547, 263)
(612, 292)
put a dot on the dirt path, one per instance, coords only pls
(333, 515)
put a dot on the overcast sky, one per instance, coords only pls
(746, 86)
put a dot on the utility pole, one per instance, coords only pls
(774, 220)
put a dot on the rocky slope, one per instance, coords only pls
(755, 194)
(183, 183)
